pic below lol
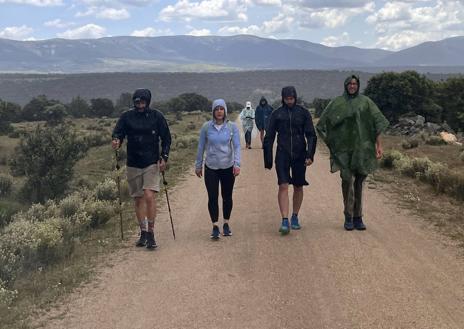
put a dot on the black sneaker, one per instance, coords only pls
(215, 233)
(348, 223)
(358, 223)
(151, 244)
(142, 241)
(226, 230)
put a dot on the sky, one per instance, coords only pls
(392, 25)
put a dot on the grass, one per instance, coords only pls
(38, 290)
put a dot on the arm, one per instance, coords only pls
(236, 145)
(201, 150)
(119, 133)
(311, 138)
(378, 147)
(268, 142)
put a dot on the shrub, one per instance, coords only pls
(409, 143)
(7, 211)
(435, 140)
(97, 139)
(389, 157)
(6, 183)
(99, 211)
(14, 134)
(6, 296)
(70, 205)
(106, 190)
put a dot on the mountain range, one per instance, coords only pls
(218, 53)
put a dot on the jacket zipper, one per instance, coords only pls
(291, 134)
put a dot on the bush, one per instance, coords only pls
(389, 157)
(99, 211)
(409, 144)
(7, 211)
(186, 141)
(6, 183)
(6, 296)
(14, 134)
(435, 140)
(106, 190)
(97, 139)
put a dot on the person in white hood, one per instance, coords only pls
(247, 116)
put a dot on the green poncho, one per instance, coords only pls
(349, 126)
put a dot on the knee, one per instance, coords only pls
(283, 188)
(149, 196)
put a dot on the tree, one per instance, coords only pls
(319, 105)
(9, 111)
(55, 114)
(450, 96)
(78, 107)
(35, 109)
(399, 93)
(46, 157)
(123, 103)
(101, 107)
(188, 102)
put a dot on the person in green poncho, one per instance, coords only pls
(351, 126)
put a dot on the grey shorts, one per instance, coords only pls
(140, 179)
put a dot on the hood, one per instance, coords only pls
(263, 101)
(248, 105)
(142, 94)
(347, 81)
(219, 102)
(289, 91)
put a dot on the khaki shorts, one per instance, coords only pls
(140, 179)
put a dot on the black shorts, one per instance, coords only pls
(290, 171)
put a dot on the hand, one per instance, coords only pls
(162, 165)
(308, 162)
(115, 144)
(378, 151)
(236, 171)
(199, 172)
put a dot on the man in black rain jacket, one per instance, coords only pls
(144, 128)
(262, 116)
(296, 145)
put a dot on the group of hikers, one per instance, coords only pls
(351, 126)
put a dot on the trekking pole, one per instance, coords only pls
(169, 206)
(118, 183)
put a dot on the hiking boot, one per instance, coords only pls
(358, 223)
(226, 230)
(151, 244)
(215, 233)
(294, 223)
(142, 241)
(348, 223)
(285, 227)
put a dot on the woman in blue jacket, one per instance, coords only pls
(220, 143)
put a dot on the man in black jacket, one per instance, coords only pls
(144, 127)
(296, 145)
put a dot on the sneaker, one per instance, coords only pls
(294, 221)
(151, 243)
(142, 241)
(215, 233)
(348, 224)
(226, 230)
(284, 228)
(358, 223)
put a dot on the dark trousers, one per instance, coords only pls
(352, 190)
(212, 179)
(248, 137)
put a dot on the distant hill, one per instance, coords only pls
(214, 53)
(232, 86)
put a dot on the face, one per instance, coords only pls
(219, 113)
(289, 101)
(352, 87)
(141, 104)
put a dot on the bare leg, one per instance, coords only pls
(297, 198)
(283, 200)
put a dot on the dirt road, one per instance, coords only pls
(397, 274)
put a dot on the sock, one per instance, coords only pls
(151, 225)
(143, 224)
(284, 218)
(226, 221)
(294, 215)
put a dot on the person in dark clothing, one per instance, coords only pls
(296, 145)
(144, 128)
(262, 116)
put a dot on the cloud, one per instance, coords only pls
(147, 32)
(105, 13)
(267, 2)
(215, 10)
(199, 33)
(317, 4)
(16, 32)
(38, 3)
(58, 23)
(135, 3)
(336, 41)
(403, 24)
(89, 31)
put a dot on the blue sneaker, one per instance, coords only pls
(215, 234)
(226, 230)
(285, 227)
(358, 223)
(295, 225)
(348, 225)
